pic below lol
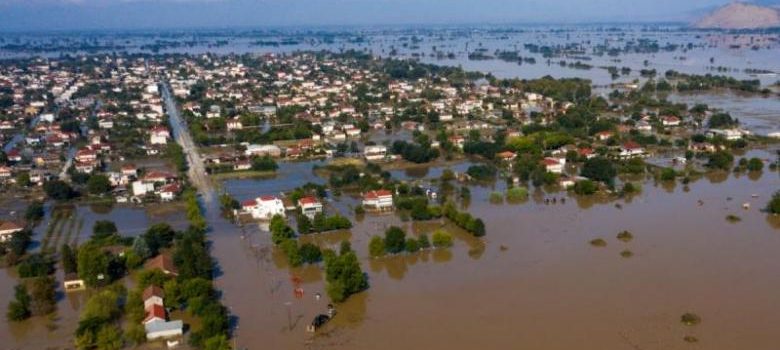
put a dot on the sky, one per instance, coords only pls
(45, 15)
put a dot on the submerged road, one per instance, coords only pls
(197, 171)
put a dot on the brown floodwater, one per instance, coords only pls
(534, 281)
(56, 331)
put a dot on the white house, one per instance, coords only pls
(263, 150)
(264, 207)
(159, 135)
(310, 206)
(631, 149)
(728, 134)
(141, 188)
(380, 199)
(554, 165)
(8, 229)
(670, 120)
(163, 329)
(377, 152)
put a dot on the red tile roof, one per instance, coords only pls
(153, 312)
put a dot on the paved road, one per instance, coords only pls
(197, 171)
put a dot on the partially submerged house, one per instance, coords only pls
(378, 200)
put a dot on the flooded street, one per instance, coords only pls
(535, 282)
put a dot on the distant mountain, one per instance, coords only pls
(740, 15)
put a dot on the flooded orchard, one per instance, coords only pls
(534, 281)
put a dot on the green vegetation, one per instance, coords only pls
(343, 275)
(690, 319)
(600, 169)
(773, 207)
(464, 220)
(441, 239)
(625, 236)
(585, 187)
(598, 242)
(19, 308)
(516, 194)
(322, 223)
(265, 163)
(733, 218)
(720, 160)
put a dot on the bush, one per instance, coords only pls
(19, 308)
(598, 242)
(395, 240)
(755, 164)
(720, 160)
(668, 174)
(516, 194)
(376, 247)
(773, 207)
(423, 241)
(625, 236)
(412, 245)
(343, 275)
(442, 239)
(599, 169)
(310, 253)
(585, 187)
(265, 163)
(690, 319)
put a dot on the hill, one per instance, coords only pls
(739, 15)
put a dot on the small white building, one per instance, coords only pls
(159, 136)
(263, 150)
(8, 229)
(554, 165)
(631, 150)
(377, 152)
(310, 206)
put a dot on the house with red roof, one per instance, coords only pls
(8, 229)
(631, 149)
(310, 206)
(154, 313)
(378, 200)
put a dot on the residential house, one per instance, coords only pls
(377, 152)
(310, 206)
(8, 229)
(631, 149)
(379, 200)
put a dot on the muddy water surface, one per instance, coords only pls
(534, 281)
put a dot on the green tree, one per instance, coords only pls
(19, 308)
(103, 230)
(720, 160)
(98, 184)
(109, 337)
(599, 169)
(58, 190)
(34, 212)
(44, 296)
(68, 258)
(343, 275)
(93, 264)
(755, 164)
(773, 206)
(424, 242)
(395, 240)
(376, 247)
(265, 163)
(217, 342)
(442, 239)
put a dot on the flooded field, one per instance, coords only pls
(56, 331)
(534, 281)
